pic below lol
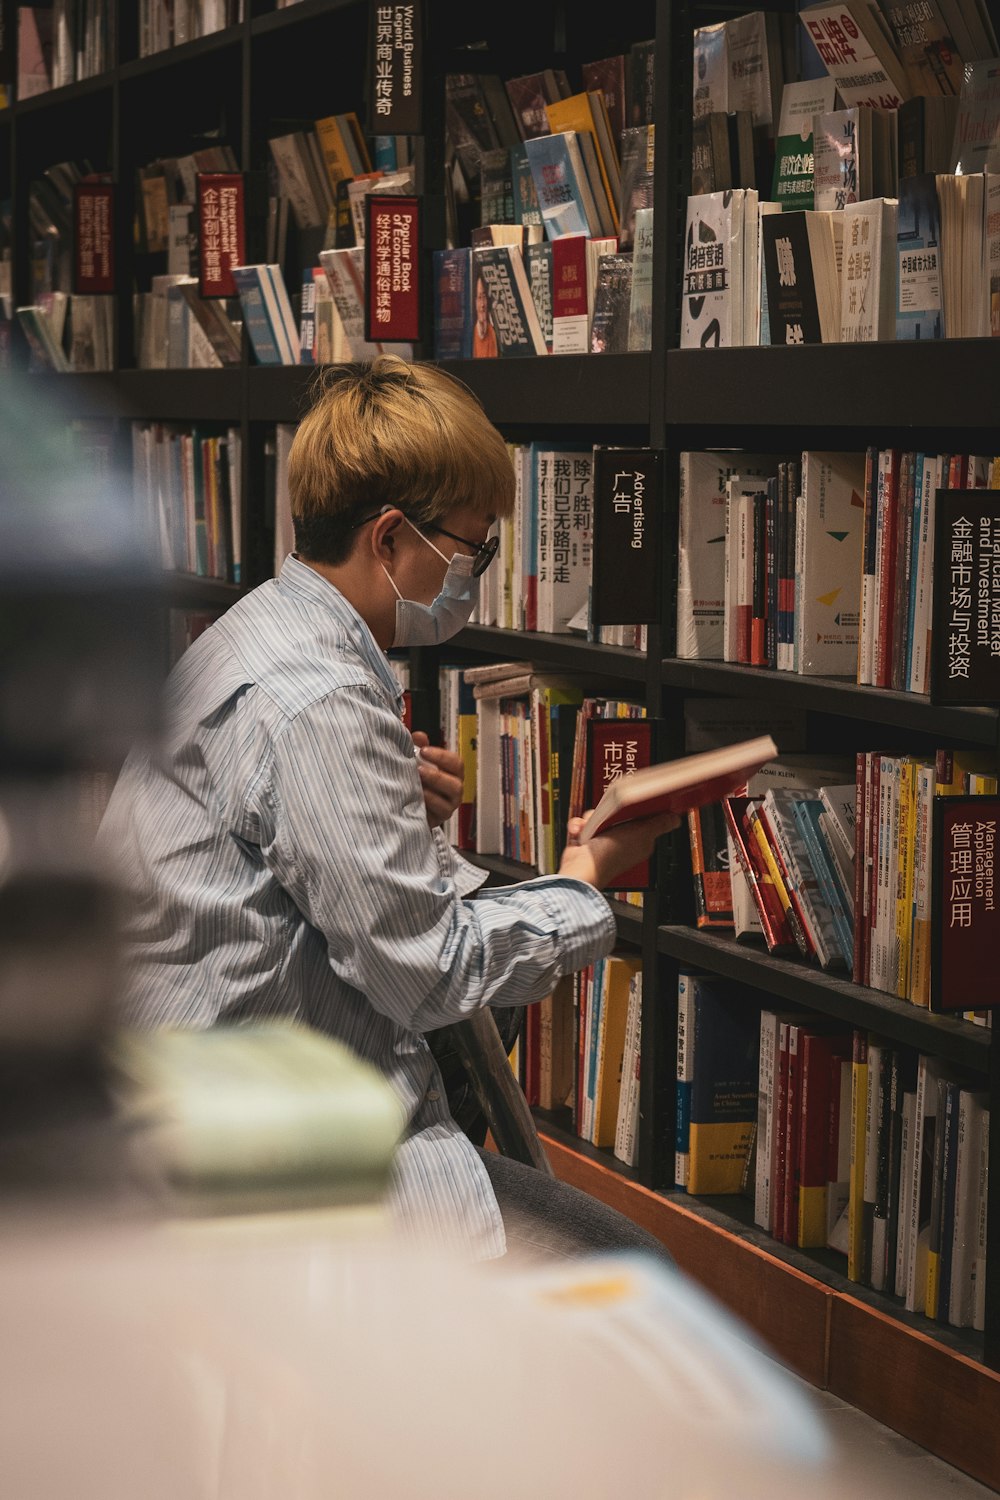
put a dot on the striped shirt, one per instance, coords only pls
(277, 851)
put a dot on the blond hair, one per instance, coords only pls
(391, 433)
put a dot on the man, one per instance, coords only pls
(283, 843)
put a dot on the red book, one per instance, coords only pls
(570, 313)
(777, 933)
(778, 1201)
(796, 917)
(816, 1054)
(618, 755)
(758, 617)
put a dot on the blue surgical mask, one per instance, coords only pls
(429, 624)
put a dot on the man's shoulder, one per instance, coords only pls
(295, 654)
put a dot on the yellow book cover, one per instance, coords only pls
(575, 113)
(336, 157)
(855, 1200)
(954, 765)
(611, 1047)
(904, 873)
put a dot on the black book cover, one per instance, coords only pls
(792, 309)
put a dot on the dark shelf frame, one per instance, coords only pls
(557, 1125)
(838, 696)
(960, 1042)
(569, 652)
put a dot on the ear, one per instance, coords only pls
(383, 533)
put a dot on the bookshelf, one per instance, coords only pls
(240, 85)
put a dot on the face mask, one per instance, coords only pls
(430, 624)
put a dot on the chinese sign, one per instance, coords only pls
(396, 63)
(93, 225)
(965, 639)
(392, 247)
(221, 232)
(618, 747)
(966, 928)
(627, 514)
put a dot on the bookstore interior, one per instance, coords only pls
(675, 222)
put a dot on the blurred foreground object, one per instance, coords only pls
(264, 1117)
(266, 1365)
(78, 685)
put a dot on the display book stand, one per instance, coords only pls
(296, 63)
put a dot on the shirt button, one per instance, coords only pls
(432, 1096)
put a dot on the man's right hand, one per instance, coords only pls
(610, 854)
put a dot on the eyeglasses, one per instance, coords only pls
(483, 553)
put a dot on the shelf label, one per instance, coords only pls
(93, 234)
(619, 747)
(392, 249)
(966, 903)
(221, 232)
(965, 639)
(396, 67)
(627, 530)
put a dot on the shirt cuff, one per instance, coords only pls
(582, 918)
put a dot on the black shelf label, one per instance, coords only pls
(627, 536)
(396, 53)
(965, 639)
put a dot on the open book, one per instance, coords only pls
(678, 785)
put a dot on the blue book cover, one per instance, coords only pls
(307, 322)
(561, 195)
(724, 1067)
(453, 314)
(511, 305)
(807, 813)
(384, 158)
(526, 205)
(918, 508)
(919, 302)
(263, 335)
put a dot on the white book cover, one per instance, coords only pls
(750, 54)
(711, 303)
(345, 272)
(860, 59)
(627, 1131)
(701, 548)
(828, 598)
(565, 496)
(711, 70)
(972, 1109)
(868, 272)
(751, 268)
(763, 1215)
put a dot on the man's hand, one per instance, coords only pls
(442, 777)
(610, 854)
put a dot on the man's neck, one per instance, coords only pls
(356, 590)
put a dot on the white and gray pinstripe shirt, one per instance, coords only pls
(277, 848)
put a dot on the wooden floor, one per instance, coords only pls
(938, 1398)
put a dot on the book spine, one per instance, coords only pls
(888, 527)
(859, 1095)
(866, 632)
(758, 618)
(765, 1120)
(685, 1076)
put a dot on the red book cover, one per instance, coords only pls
(860, 968)
(778, 1202)
(777, 934)
(392, 260)
(793, 1109)
(221, 233)
(816, 1054)
(569, 277)
(758, 617)
(93, 237)
(886, 582)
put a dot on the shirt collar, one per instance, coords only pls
(299, 578)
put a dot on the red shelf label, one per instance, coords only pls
(392, 248)
(221, 235)
(93, 224)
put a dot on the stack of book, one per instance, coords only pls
(607, 1003)
(162, 26)
(878, 1153)
(62, 43)
(188, 483)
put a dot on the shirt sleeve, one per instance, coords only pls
(349, 840)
